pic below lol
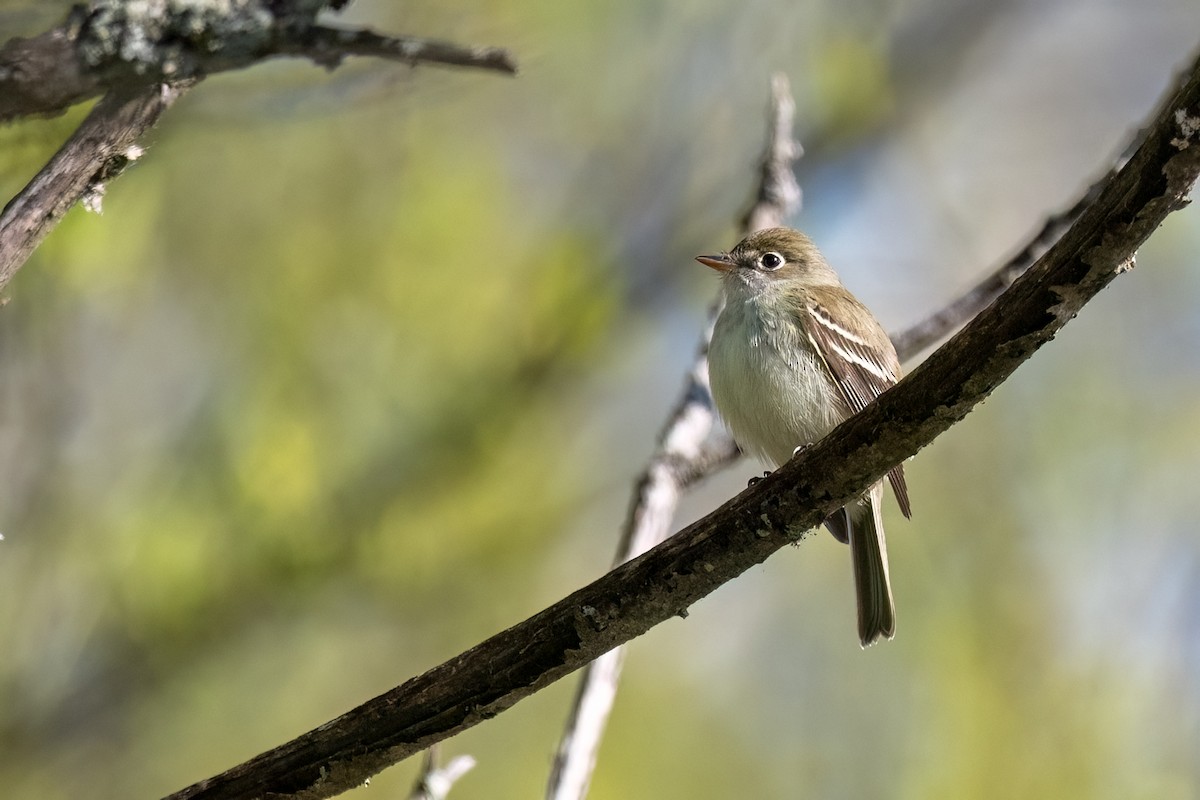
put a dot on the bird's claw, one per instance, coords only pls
(756, 479)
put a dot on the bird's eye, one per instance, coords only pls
(771, 261)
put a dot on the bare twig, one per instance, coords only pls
(683, 456)
(435, 782)
(100, 148)
(492, 676)
(329, 46)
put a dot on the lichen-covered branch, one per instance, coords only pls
(109, 44)
(142, 57)
(660, 584)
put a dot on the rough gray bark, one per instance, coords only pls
(664, 582)
(96, 152)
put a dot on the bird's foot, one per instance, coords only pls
(756, 479)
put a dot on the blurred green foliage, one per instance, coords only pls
(354, 370)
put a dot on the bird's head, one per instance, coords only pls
(771, 257)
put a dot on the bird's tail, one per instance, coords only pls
(868, 551)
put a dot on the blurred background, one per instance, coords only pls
(356, 369)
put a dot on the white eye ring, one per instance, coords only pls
(771, 261)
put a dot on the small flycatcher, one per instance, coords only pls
(793, 354)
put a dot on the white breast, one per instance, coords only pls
(768, 384)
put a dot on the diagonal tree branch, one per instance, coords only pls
(98, 149)
(492, 676)
(684, 456)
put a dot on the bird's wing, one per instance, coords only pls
(862, 370)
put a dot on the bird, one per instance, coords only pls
(793, 354)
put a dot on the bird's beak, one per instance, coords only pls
(721, 263)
